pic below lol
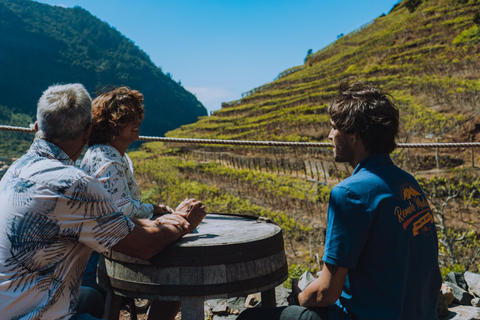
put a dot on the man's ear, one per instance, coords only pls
(36, 126)
(354, 138)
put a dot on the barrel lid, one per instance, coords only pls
(222, 237)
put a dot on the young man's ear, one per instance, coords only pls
(354, 138)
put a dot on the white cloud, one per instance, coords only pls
(57, 5)
(212, 98)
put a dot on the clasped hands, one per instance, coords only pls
(186, 217)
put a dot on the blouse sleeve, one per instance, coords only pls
(114, 180)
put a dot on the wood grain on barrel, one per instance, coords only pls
(227, 255)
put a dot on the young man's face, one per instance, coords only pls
(342, 149)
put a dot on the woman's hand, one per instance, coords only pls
(161, 209)
(193, 211)
(174, 220)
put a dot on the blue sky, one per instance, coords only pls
(219, 49)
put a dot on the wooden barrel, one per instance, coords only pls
(226, 256)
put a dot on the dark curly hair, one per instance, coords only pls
(367, 111)
(112, 110)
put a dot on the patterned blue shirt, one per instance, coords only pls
(53, 215)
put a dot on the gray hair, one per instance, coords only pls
(63, 112)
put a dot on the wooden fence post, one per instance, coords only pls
(409, 159)
(296, 168)
(473, 156)
(336, 170)
(324, 172)
(311, 170)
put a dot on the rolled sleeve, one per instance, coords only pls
(348, 228)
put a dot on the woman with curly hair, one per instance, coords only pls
(116, 117)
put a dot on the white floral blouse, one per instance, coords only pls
(116, 175)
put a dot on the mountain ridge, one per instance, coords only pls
(43, 45)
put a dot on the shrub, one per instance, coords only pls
(476, 18)
(471, 36)
(411, 5)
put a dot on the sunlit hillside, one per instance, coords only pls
(426, 54)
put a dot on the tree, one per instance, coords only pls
(439, 210)
(309, 52)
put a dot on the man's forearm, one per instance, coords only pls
(145, 242)
(325, 290)
(150, 237)
(142, 222)
(314, 296)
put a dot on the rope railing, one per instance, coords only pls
(269, 143)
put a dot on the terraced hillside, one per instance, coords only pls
(426, 54)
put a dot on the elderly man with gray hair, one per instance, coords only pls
(53, 215)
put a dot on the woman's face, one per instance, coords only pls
(129, 133)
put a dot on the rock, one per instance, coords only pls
(462, 313)
(281, 294)
(235, 312)
(461, 296)
(458, 279)
(473, 283)
(229, 317)
(253, 300)
(142, 305)
(476, 302)
(305, 279)
(447, 292)
(217, 308)
(207, 312)
(221, 309)
(442, 306)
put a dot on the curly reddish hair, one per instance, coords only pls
(113, 110)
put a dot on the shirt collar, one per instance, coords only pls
(51, 151)
(115, 150)
(373, 160)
